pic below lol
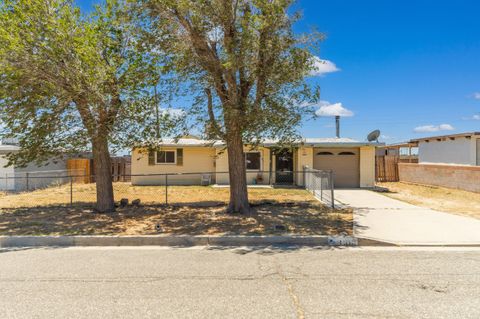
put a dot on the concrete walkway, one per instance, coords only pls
(382, 218)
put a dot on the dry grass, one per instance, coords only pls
(197, 195)
(196, 210)
(439, 198)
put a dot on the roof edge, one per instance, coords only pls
(416, 140)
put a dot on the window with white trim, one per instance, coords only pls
(166, 157)
(253, 160)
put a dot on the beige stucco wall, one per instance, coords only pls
(222, 166)
(367, 166)
(304, 157)
(195, 160)
(207, 159)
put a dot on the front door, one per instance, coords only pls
(284, 167)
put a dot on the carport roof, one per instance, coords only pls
(452, 136)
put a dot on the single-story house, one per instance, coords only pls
(6, 171)
(454, 149)
(352, 162)
(29, 177)
(449, 160)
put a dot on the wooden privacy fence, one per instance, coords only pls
(386, 168)
(121, 169)
(80, 169)
(83, 171)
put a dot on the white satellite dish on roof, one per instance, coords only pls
(373, 136)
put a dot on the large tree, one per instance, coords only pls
(71, 83)
(244, 58)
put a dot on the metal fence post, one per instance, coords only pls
(304, 177)
(26, 177)
(71, 191)
(321, 187)
(331, 189)
(166, 189)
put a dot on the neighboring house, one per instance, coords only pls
(56, 171)
(6, 171)
(449, 161)
(352, 162)
(455, 149)
(29, 177)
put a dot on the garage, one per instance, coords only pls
(345, 163)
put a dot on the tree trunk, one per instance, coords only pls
(237, 173)
(103, 175)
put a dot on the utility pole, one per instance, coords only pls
(157, 119)
(337, 126)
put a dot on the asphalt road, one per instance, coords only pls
(148, 282)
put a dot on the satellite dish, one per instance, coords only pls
(373, 136)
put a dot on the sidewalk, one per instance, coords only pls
(382, 218)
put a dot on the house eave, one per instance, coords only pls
(269, 144)
(423, 139)
(339, 145)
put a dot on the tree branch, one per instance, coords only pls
(214, 130)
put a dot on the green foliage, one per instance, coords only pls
(68, 80)
(241, 56)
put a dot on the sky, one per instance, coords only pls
(409, 68)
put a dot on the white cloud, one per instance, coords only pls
(321, 67)
(385, 137)
(473, 117)
(476, 95)
(433, 128)
(174, 112)
(327, 109)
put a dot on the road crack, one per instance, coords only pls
(291, 291)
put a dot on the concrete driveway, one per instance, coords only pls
(382, 218)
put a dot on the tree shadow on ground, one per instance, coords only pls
(273, 249)
(244, 250)
(194, 218)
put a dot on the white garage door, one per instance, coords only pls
(345, 163)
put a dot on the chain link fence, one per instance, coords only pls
(34, 180)
(320, 184)
(201, 188)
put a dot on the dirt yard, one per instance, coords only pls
(192, 210)
(186, 195)
(439, 198)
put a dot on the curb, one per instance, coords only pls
(189, 241)
(172, 241)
